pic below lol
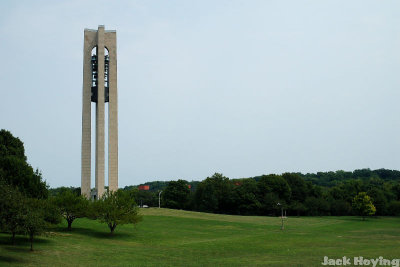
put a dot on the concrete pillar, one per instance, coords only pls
(111, 44)
(86, 113)
(100, 135)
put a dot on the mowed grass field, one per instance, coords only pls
(182, 238)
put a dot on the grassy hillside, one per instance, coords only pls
(182, 238)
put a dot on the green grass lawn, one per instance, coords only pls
(182, 238)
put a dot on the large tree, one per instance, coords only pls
(271, 190)
(214, 194)
(275, 184)
(14, 169)
(244, 197)
(116, 208)
(176, 194)
(23, 193)
(19, 214)
(12, 210)
(34, 222)
(71, 206)
(297, 185)
(11, 146)
(362, 205)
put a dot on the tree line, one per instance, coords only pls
(323, 193)
(296, 193)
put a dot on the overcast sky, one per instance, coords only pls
(239, 87)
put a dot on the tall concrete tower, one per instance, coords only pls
(100, 87)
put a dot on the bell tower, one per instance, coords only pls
(100, 87)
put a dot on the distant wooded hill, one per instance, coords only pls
(331, 178)
(328, 179)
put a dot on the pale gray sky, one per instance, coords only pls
(239, 87)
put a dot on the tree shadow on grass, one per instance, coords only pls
(22, 240)
(22, 245)
(9, 259)
(358, 218)
(18, 249)
(93, 233)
